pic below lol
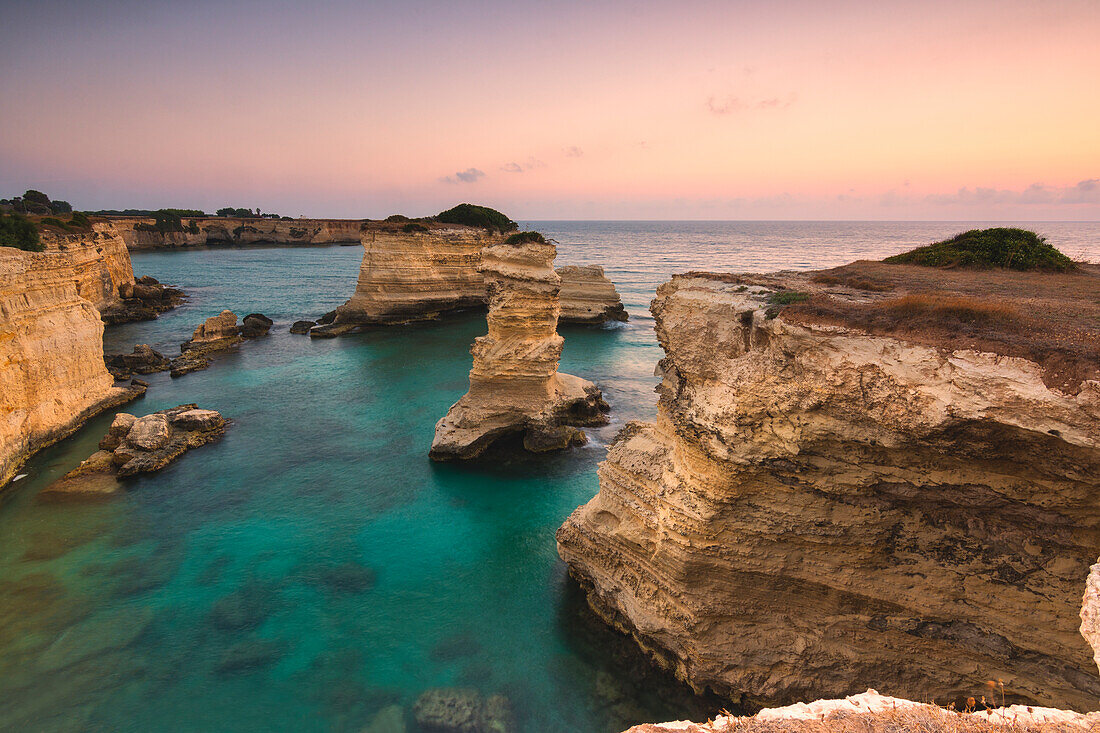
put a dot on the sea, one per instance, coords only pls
(313, 567)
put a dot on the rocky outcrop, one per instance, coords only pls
(136, 445)
(99, 262)
(870, 712)
(217, 334)
(52, 376)
(1090, 611)
(819, 509)
(144, 360)
(235, 231)
(587, 296)
(143, 299)
(515, 387)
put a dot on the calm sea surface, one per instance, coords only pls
(314, 567)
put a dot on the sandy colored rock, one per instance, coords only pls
(587, 296)
(216, 328)
(149, 432)
(1090, 611)
(217, 230)
(818, 510)
(197, 419)
(99, 259)
(52, 375)
(515, 386)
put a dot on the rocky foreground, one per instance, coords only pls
(854, 482)
(515, 387)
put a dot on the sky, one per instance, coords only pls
(555, 109)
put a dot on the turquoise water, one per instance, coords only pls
(313, 566)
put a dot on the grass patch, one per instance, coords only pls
(477, 216)
(18, 231)
(1010, 248)
(526, 238)
(782, 298)
(856, 283)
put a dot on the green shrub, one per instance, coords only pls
(80, 221)
(477, 216)
(19, 232)
(53, 222)
(61, 207)
(396, 218)
(525, 237)
(1015, 249)
(778, 299)
(237, 213)
(413, 227)
(193, 227)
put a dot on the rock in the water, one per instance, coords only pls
(587, 296)
(515, 387)
(459, 710)
(148, 433)
(255, 325)
(249, 656)
(216, 328)
(139, 445)
(822, 508)
(390, 719)
(143, 360)
(217, 334)
(302, 327)
(142, 299)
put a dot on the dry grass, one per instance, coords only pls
(854, 282)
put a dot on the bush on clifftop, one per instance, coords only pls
(477, 216)
(525, 238)
(1015, 249)
(18, 231)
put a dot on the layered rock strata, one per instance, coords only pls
(215, 335)
(819, 509)
(515, 387)
(99, 262)
(136, 445)
(409, 276)
(52, 375)
(236, 231)
(587, 296)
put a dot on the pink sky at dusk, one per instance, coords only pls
(550, 110)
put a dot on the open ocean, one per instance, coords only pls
(314, 566)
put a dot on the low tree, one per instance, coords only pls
(19, 232)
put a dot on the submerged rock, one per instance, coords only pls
(515, 387)
(461, 710)
(249, 656)
(390, 719)
(135, 445)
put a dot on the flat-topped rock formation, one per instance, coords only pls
(52, 375)
(136, 445)
(237, 231)
(587, 296)
(414, 275)
(853, 482)
(515, 386)
(215, 335)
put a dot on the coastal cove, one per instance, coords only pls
(313, 567)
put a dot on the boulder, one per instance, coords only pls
(255, 325)
(302, 327)
(120, 428)
(198, 420)
(216, 328)
(149, 432)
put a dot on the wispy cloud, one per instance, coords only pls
(573, 152)
(731, 103)
(470, 175)
(1084, 192)
(530, 164)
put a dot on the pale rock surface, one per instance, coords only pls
(148, 433)
(818, 511)
(52, 375)
(1090, 611)
(216, 328)
(515, 386)
(587, 296)
(99, 259)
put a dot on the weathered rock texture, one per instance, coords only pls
(142, 299)
(515, 386)
(215, 335)
(818, 510)
(461, 710)
(52, 376)
(1090, 611)
(233, 231)
(136, 445)
(870, 712)
(419, 275)
(99, 261)
(587, 296)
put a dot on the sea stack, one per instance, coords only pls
(515, 387)
(588, 297)
(822, 507)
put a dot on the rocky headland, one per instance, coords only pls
(515, 386)
(587, 296)
(878, 476)
(140, 233)
(52, 374)
(135, 445)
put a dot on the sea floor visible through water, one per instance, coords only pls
(314, 567)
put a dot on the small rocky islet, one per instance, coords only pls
(842, 460)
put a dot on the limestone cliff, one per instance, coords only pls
(52, 375)
(819, 509)
(99, 261)
(227, 230)
(408, 276)
(587, 296)
(515, 386)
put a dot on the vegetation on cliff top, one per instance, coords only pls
(525, 238)
(168, 220)
(477, 216)
(35, 202)
(18, 231)
(1007, 247)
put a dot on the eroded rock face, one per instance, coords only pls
(817, 511)
(52, 375)
(99, 260)
(587, 296)
(1090, 611)
(235, 231)
(136, 445)
(515, 386)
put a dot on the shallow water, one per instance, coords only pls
(313, 566)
